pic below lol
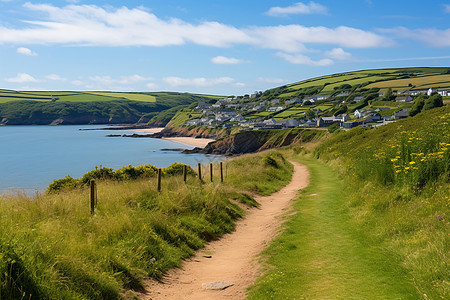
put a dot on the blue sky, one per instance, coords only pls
(223, 47)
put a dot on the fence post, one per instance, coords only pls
(159, 180)
(200, 172)
(211, 171)
(221, 172)
(92, 196)
(184, 173)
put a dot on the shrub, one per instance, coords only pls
(130, 172)
(98, 173)
(64, 183)
(177, 169)
(270, 161)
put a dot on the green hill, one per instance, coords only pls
(401, 79)
(42, 108)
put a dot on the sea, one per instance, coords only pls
(31, 157)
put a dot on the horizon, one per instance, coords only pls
(218, 48)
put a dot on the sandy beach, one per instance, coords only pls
(150, 130)
(197, 142)
(191, 141)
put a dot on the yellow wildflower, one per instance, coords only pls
(412, 162)
(406, 168)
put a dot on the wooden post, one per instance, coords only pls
(221, 172)
(211, 171)
(184, 173)
(200, 172)
(159, 180)
(92, 196)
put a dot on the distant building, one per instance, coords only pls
(407, 98)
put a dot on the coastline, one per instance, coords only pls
(191, 141)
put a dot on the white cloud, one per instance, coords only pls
(152, 86)
(26, 51)
(22, 78)
(197, 82)
(90, 25)
(226, 60)
(291, 38)
(300, 59)
(108, 81)
(339, 54)
(271, 80)
(430, 36)
(298, 8)
(447, 8)
(77, 82)
(55, 77)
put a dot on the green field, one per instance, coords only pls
(128, 96)
(442, 81)
(404, 78)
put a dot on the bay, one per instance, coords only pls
(31, 157)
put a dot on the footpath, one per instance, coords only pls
(233, 260)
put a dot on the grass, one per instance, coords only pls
(373, 222)
(128, 96)
(51, 248)
(419, 82)
(321, 255)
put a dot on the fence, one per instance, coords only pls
(93, 184)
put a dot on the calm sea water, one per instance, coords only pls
(32, 156)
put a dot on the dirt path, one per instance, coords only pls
(234, 257)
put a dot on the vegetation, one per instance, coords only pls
(377, 193)
(83, 108)
(320, 255)
(51, 248)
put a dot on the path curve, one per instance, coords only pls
(233, 257)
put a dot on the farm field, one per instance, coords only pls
(419, 82)
(128, 96)
(383, 79)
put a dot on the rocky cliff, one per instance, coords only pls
(254, 141)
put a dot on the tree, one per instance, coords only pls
(432, 102)
(388, 96)
(309, 114)
(417, 106)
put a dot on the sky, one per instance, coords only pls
(220, 47)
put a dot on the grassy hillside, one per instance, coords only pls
(373, 224)
(48, 96)
(42, 108)
(52, 248)
(401, 79)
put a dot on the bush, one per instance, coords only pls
(177, 169)
(98, 173)
(64, 183)
(270, 161)
(133, 173)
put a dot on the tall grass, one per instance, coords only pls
(52, 248)
(398, 187)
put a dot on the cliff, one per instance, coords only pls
(254, 141)
(199, 132)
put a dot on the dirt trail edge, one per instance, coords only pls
(233, 258)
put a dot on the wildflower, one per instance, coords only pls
(394, 160)
(412, 162)
(406, 168)
(398, 171)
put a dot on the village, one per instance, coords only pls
(249, 113)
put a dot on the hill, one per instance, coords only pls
(43, 108)
(381, 93)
